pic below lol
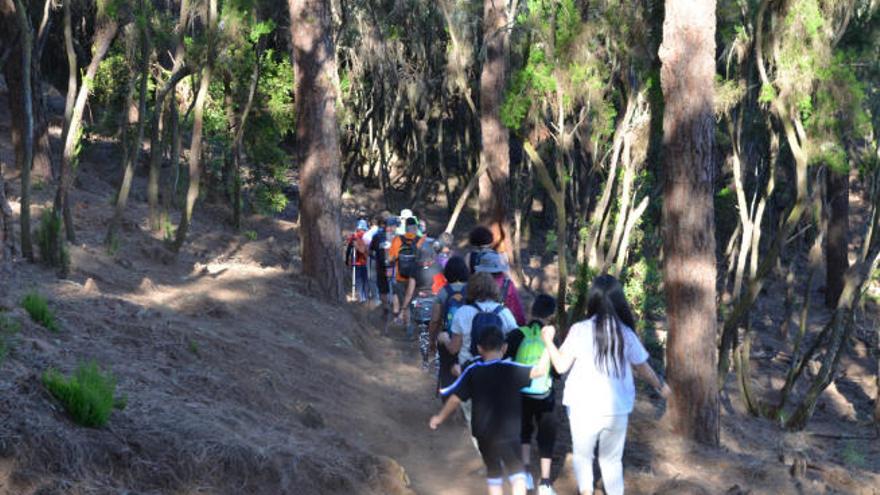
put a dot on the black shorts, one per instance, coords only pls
(498, 453)
(447, 360)
(382, 282)
(539, 413)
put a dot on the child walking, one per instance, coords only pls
(602, 353)
(525, 346)
(493, 386)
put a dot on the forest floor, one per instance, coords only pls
(238, 382)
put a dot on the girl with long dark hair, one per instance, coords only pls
(602, 353)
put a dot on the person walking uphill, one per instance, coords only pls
(602, 353)
(492, 385)
(356, 257)
(482, 301)
(379, 249)
(404, 255)
(481, 241)
(494, 264)
(526, 346)
(451, 297)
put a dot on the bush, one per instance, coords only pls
(88, 396)
(53, 251)
(8, 328)
(37, 306)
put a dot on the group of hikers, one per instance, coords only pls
(500, 368)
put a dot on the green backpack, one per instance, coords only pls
(529, 353)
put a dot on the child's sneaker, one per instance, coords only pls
(546, 490)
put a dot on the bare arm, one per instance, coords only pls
(561, 362)
(646, 372)
(444, 413)
(453, 345)
(434, 327)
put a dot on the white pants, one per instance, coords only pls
(610, 432)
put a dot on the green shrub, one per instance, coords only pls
(551, 242)
(53, 251)
(88, 396)
(8, 328)
(251, 235)
(37, 306)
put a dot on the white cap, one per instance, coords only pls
(404, 214)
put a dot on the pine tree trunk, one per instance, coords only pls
(27, 130)
(837, 242)
(195, 149)
(494, 153)
(687, 76)
(7, 242)
(317, 142)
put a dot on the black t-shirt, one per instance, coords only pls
(493, 387)
(377, 251)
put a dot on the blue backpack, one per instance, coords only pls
(482, 320)
(454, 300)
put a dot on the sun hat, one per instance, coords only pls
(491, 262)
(406, 213)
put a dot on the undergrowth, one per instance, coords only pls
(53, 251)
(38, 308)
(89, 396)
(8, 328)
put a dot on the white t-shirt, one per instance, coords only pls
(461, 324)
(588, 386)
(368, 235)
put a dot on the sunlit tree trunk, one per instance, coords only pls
(494, 153)
(178, 72)
(317, 141)
(131, 143)
(103, 37)
(687, 76)
(195, 149)
(7, 241)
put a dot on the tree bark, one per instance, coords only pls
(687, 75)
(178, 72)
(27, 131)
(195, 149)
(132, 144)
(104, 35)
(238, 142)
(317, 145)
(7, 242)
(837, 242)
(494, 153)
(556, 191)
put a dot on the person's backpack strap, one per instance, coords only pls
(498, 309)
(505, 288)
